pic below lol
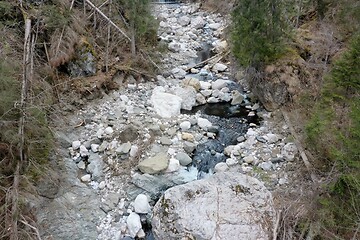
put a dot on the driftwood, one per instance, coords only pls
(108, 19)
(303, 155)
(217, 58)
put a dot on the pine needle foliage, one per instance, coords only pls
(257, 32)
(334, 132)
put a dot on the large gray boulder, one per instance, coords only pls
(165, 105)
(227, 206)
(188, 96)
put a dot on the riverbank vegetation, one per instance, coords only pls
(319, 42)
(48, 51)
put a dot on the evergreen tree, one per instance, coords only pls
(140, 20)
(257, 31)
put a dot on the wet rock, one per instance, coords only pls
(237, 207)
(241, 139)
(154, 164)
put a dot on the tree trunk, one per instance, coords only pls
(133, 45)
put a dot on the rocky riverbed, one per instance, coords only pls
(123, 159)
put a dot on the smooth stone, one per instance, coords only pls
(86, 178)
(212, 100)
(166, 105)
(141, 204)
(231, 161)
(206, 93)
(221, 167)
(219, 67)
(124, 148)
(133, 223)
(203, 123)
(183, 158)
(76, 145)
(165, 141)
(134, 150)
(154, 164)
(218, 84)
(186, 125)
(189, 147)
(84, 151)
(249, 159)
(109, 130)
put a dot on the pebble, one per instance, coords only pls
(186, 125)
(141, 204)
(76, 145)
(187, 137)
(109, 130)
(86, 178)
